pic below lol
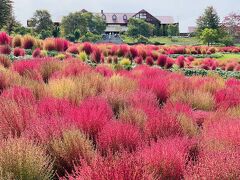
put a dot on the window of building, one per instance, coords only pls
(104, 16)
(114, 17)
(125, 17)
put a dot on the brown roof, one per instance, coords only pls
(119, 17)
(165, 19)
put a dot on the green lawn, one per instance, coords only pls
(230, 56)
(166, 40)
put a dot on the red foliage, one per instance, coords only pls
(117, 136)
(134, 52)
(162, 60)
(36, 53)
(92, 115)
(4, 39)
(149, 61)
(169, 63)
(61, 44)
(73, 49)
(5, 49)
(124, 167)
(5, 61)
(180, 61)
(96, 55)
(209, 64)
(87, 47)
(19, 52)
(123, 51)
(167, 158)
(138, 60)
(226, 98)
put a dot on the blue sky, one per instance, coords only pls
(184, 11)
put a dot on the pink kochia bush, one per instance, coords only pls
(104, 122)
(92, 115)
(117, 136)
(4, 38)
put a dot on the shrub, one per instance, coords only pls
(225, 97)
(22, 159)
(169, 63)
(83, 56)
(5, 61)
(125, 62)
(5, 49)
(4, 82)
(133, 116)
(36, 53)
(49, 44)
(117, 136)
(215, 165)
(180, 61)
(162, 60)
(138, 60)
(61, 44)
(166, 159)
(4, 39)
(133, 52)
(92, 115)
(48, 68)
(68, 149)
(28, 42)
(96, 55)
(149, 61)
(17, 41)
(73, 49)
(125, 166)
(87, 47)
(18, 52)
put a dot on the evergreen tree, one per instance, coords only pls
(5, 12)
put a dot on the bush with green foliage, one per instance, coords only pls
(138, 27)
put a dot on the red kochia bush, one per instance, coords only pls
(227, 97)
(19, 52)
(5, 49)
(73, 49)
(167, 158)
(134, 52)
(149, 61)
(96, 55)
(162, 125)
(162, 60)
(157, 85)
(4, 38)
(123, 167)
(169, 63)
(215, 165)
(61, 44)
(87, 47)
(53, 108)
(138, 60)
(92, 115)
(180, 61)
(5, 61)
(116, 136)
(36, 53)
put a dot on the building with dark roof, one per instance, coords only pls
(118, 22)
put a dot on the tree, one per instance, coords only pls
(209, 36)
(232, 24)
(42, 21)
(173, 30)
(72, 22)
(5, 12)
(209, 19)
(138, 27)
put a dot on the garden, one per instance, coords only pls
(104, 111)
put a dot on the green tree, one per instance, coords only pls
(138, 27)
(42, 21)
(72, 22)
(209, 36)
(5, 12)
(209, 19)
(173, 30)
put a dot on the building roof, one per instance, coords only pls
(121, 18)
(192, 29)
(165, 19)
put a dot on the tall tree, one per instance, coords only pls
(5, 12)
(209, 19)
(232, 24)
(72, 22)
(42, 21)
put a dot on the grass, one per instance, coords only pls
(230, 56)
(166, 40)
